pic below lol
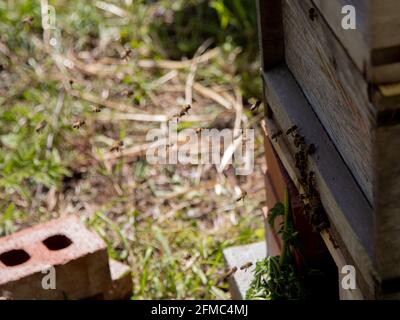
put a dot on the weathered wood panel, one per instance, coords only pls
(385, 23)
(356, 41)
(334, 86)
(348, 210)
(374, 45)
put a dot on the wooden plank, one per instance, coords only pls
(385, 24)
(355, 41)
(374, 45)
(348, 210)
(270, 32)
(335, 88)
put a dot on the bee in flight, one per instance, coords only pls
(183, 112)
(41, 125)
(117, 145)
(78, 124)
(242, 197)
(230, 272)
(246, 266)
(96, 109)
(125, 55)
(28, 20)
(255, 106)
(127, 93)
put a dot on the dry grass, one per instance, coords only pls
(168, 222)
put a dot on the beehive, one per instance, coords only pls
(341, 88)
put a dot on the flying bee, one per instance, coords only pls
(78, 124)
(117, 145)
(183, 112)
(125, 55)
(187, 256)
(230, 272)
(291, 130)
(242, 197)
(28, 20)
(41, 125)
(199, 130)
(96, 109)
(127, 93)
(246, 266)
(255, 106)
(298, 140)
(276, 135)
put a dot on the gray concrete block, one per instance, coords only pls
(237, 257)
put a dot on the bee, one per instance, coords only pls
(242, 197)
(78, 124)
(334, 243)
(187, 256)
(127, 93)
(312, 14)
(183, 112)
(28, 20)
(199, 130)
(71, 82)
(246, 266)
(300, 160)
(41, 125)
(255, 106)
(311, 149)
(276, 135)
(117, 145)
(230, 272)
(291, 130)
(298, 140)
(311, 178)
(96, 109)
(125, 55)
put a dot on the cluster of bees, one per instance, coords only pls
(312, 206)
(78, 124)
(233, 270)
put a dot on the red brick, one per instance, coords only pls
(82, 268)
(121, 288)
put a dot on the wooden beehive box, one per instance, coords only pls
(341, 88)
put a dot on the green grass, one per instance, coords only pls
(172, 243)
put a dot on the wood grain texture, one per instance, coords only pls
(270, 32)
(355, 41)
(334, 86)
(376, 35)
(348, 210)
(385, 24)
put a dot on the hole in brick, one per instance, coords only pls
(14, 257)
(57, 242)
